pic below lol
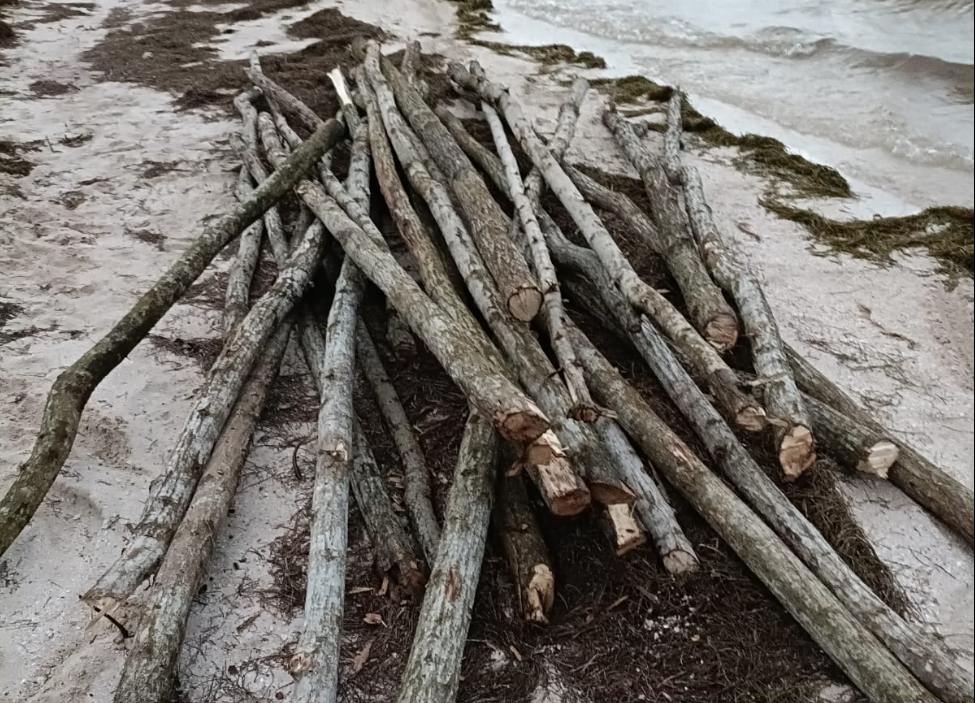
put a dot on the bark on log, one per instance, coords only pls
(793, 429)
(171, 492)
(149, 674)
(486, 220)
(416, 490)
(391, 545)
(412, 56)
(710, 312)
(524, 550)
(921, 654)
(553, 313)
(237, 299)
(929, 486)
(292, 106)
(73, 387)
(651, 504)
(672, 137)
(432, 672)
(871, 667)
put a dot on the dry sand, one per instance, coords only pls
(82, 243)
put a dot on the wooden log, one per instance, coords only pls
(391, 545)
(73, 387)
(871, 667)
(170, 493)
(623, 529)
(553, 312)
(672, 137)
(412, 56)
(710, 312)
(651, 504)
(237, 299)
(149, 673)
(432, 672)
(793, 429)
(524, 550)
(416, 489)
(928, 485)
(485, 219)
(292, 106)
(921, 654)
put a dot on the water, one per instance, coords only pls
(880, 89)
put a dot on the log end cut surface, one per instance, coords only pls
(879, 459)
(722, 332)
(796, 451)
(525, 303)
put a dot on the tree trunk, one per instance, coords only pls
(149, 674)
(237, 299)
(672, 137)
(710, 312)
(524, 550)
(432, 672)
(651, 505)
(872, 668)
(171, 492)
(930, 486)
(921, 654)
(73, 387)
(793, 429)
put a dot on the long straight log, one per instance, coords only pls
(710, 312)
(149, 674)
(921, 654)
(237, 299)
(871, 667)
(793, 429)
(620, 272)
(171, 492)
(432, 672)
(73, 387)
(524, 550)
(930, 486)
(485, 219)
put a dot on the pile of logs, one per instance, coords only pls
(483, 291)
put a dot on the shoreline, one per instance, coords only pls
(896, 336)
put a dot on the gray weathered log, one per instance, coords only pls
(432, 672)
(710, 312)
(73, 387)
(672, 138)
(485, 219)
(149, 673)
(237, 299)
(651, 504)
(929, 486)
(921, 654)
(524, 550)
(793, 429)
(291, 105)
(871, 667)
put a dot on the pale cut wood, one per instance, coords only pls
(871, 667)
(73, 387)
(921, 654)
(237, 298)
(793, 429)
(553, 312)
(524, 550)
(433, 669)
(416, 489)
(930, 486)
(487, 223)
(651, 505)
(149, 673)
(623, 529)
(710, 312)
(170, 493)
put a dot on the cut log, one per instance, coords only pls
(412, 56)
(623, 529)
(793, 429)
(432, 672)
(292, 106)
(672, 138)
(710, 312)
(921, 654)
(553, 313)
(930, 486)
(171, 492)
(651, 505)
(486, 220)
(391, 545)
(524, 550)
(73, 387)
(237, 300)
(868, 663)
(149, 674)
(416, 481)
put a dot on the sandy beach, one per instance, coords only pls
(122, 180)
